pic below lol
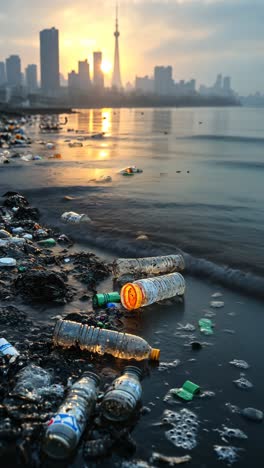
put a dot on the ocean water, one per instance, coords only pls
(201, 190)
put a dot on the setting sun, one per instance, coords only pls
(106, 66)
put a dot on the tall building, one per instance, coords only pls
(163, 82)
(73, 80)
(49, 61)
(227, 84)
(144, 84)
(116, 81)
(31, 77)
(13, 70)
(98, 76)
(84, 75)
(218, 82)
(2, 73)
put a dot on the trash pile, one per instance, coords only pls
(59, 396)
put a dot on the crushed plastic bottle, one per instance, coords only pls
(7, 262)
(71, 217)
(147, 291)
(101, 341)
(122, 397)
(148, 265)
(67, 426)
(6, 349)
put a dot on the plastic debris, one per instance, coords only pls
(188, 327)
(7, 349)
(100, 300)
(217, 304)
(239, 363)
(74, 218)
(7, 262)
(252, 414)
(32, 382)
(187, 391)
(206, 326)
(227, 454)
(185, 427)
(4, 234)
(50, 146)
(148, 265)
(144, 292)
(67, 426)
(123, 395)
(97, 340)
(130, 170)
(158, 457)
(47, 242)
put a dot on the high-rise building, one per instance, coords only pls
(98, 76)
(116, 81)
(144, 84)
(2, 73)
(227, 83)
(73, 80)
(13, 70)
(31, 77)
(218, 83)
(49, 60)
(84, 75)
(163, 82)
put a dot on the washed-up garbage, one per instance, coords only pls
(47, 243)
(147, 291)
(75, 218)
(97, 340)
(35, 384)
(158, 457)
(4, 234)
(206, 326)
(7, 262)
(122, 397)
(55, 156)
(148, 265)
(187, 391)
(50, 146)
(100, 300)
(43, 286)
(17, 230)
(14, 199)
(130, 170)
(7, 349)
(27, 213)
(67, 426)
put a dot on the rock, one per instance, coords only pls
(142, 237)
(43, 286)
(252, 414)
(196, 345)
(27, 213)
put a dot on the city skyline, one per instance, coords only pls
(197, 37)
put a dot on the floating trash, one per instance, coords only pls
(187, 327)
(168, 365)
(217, 304)
(34, 383)
(227, 454)
(206, 326)
(185, 427)
(158, 457)
(239, 363)
(243, 383)
(187, 391)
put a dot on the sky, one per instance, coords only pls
(199, 38)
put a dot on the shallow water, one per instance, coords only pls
(213, 212)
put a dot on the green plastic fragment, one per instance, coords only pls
(206, 326)
(100, 300)
(21, 269)
(187, 391)
(47, 243)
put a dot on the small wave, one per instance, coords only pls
(258, 165)
(228, 138)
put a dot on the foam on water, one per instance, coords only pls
(184, 428)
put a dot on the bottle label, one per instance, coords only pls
(66, 420)
(7, 349)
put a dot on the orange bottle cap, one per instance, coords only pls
(154, 354)
(131, 296)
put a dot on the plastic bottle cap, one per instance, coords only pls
(155, 354)
(57, 447)
(131, 296)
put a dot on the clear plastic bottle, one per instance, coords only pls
(122, 396)
(6, 349)
(147, 291)
(67, 426)
(148, 265)
(101, 341)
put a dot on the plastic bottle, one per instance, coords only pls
(47, 242)
(7, 262)
(7, 349)
(102, 299)
(121, 398)
(67, 426)
(147, 291)
(101, 341)
(75, 218)
(148, 265)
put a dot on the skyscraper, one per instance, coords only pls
(49, 60)
(31, 77)
(98, 76)
(13, 70)
(2, 73)
(163, 82)
(116, 81)
(84, 75)
(73, 81)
